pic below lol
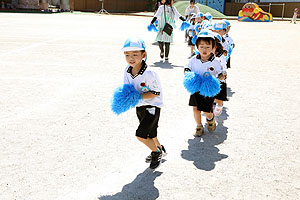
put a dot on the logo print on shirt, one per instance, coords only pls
(144, 88)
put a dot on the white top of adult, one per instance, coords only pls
(168, 9)
(189, 10)
(148, 78)
(213, 66)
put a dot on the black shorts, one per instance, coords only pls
(223, 93)
(202, 103)
(148, 117)
(190, 43)
(228, 63)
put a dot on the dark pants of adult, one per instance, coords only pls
(167, 49)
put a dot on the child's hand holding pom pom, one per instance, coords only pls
(192, 82)
(124, 98)
(210, 86)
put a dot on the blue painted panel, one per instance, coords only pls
(218, 5)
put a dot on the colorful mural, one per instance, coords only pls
(251, 12)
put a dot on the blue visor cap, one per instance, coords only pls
(199, 14)
(134, 44)
(226, 22)
(207, 25)
(206, 34)
(219, 26)
(208, 16)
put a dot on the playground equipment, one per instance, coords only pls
(251, 12)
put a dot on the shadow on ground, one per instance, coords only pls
(165, 65)
(142, 187)
(230, 93)
(203, 151)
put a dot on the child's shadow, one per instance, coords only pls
(165, 65)
(230, 93)
(142, 187)
(203, 151)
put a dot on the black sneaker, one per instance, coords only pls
(163, 151)
(156, 159)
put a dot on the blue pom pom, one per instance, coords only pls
(152, 27)
(198, 28)
(156, 22)
(184, 25)
(210, 86)
(124, 98)
(194, 39)
(149, 27)
(230, 48)
(192, 82)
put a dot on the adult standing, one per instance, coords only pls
(294, 18)
(166, 14)
(192, 8)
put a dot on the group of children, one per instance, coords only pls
(211, 46)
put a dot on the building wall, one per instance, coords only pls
(111, 5)
(232, 9)
(28, 4)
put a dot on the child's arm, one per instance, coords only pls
(148, 95)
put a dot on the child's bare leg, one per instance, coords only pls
(156, 142)
(149, 143)
(192, 49)
(219, 102)
(208, 115)
(197, 116)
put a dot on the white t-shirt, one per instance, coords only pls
(228, 39)
(223, 62)
(191, 30)
(213, 66)
(224, 44)
(145, 77)
(189, 11)
(168, 9)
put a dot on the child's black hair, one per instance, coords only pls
(206, 40)
(219, 48)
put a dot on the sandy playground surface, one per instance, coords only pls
(60, 140)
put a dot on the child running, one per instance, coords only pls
(222, 96)
(148, 84)
(200, 64)
(229, 41)
(191, 32)
(220, 29)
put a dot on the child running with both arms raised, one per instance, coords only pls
(204, 62)
(148, 84)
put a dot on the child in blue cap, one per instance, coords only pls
(204, 62)
(229, 40)
(148, 84)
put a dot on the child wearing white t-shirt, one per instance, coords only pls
(148, 84)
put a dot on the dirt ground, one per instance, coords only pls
(59, 139)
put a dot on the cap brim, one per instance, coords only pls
(132, 49)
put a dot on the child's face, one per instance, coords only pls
(221, 32)
(134, 58)
(192, 5)
(205, 49)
